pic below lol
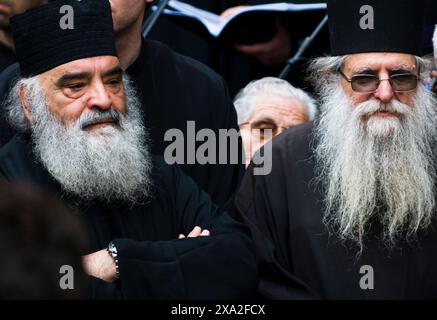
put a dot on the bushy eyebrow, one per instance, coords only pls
(116, 71)
(364, 70)
(400, 68)
(71, 77)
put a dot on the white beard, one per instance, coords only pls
(110, 164)
(379, 167)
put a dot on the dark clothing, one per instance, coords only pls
(7, 62)
(190, 38)
(175, 89)
(153, 263)
(298, 259)
(7, 56)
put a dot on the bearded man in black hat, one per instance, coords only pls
(153, 234)
(348, 211)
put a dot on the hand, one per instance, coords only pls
(100, 265)
(196, 232)
(274, 52)
(231, 11)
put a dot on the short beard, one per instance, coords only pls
(376, 168)
(109, 164)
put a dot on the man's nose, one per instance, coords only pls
(384, 92)
(100, 97)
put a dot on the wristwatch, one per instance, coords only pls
(112, 250)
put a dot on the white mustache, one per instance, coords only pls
(368, 108)
(95, 117)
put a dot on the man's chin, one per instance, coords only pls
(382, 125)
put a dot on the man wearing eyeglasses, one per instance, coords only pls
(348, 210)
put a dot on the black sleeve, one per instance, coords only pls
(255, 201)
(221, 266)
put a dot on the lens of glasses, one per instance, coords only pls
(370, 83)
(364, 83)
(403, 82)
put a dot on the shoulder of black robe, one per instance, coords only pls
(7, 79)
(176, 89)
(299, 258)
(154, 264)
(7, 56)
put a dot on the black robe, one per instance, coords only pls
(153, 263)
(299, 259)
(174, 89)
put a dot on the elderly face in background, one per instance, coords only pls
(268, 107)
(8, 8)
(86, 128)
(375, 144)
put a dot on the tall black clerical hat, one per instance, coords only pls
(62, 31)
(357, 26)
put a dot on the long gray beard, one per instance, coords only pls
(379, 168)
(109, 164)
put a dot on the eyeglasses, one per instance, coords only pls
(370, 83)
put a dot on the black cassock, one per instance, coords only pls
(174, 89)
(153, 263)
(299, 260)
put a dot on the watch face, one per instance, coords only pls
(112, 248)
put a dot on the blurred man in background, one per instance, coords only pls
(38, 238)
(261, 49)
(268, 107)
(8, 8)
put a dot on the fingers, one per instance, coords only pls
(196, 232)
(205, 233)
(231, 11)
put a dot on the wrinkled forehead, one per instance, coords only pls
(379, 61)
(277, 102)
(277, 106)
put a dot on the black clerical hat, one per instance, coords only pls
(62, 31)
(357, 26)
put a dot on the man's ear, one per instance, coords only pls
(22, 94)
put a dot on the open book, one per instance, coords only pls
(253, 18)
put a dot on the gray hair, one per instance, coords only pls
(246, 98)
(13, 106)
